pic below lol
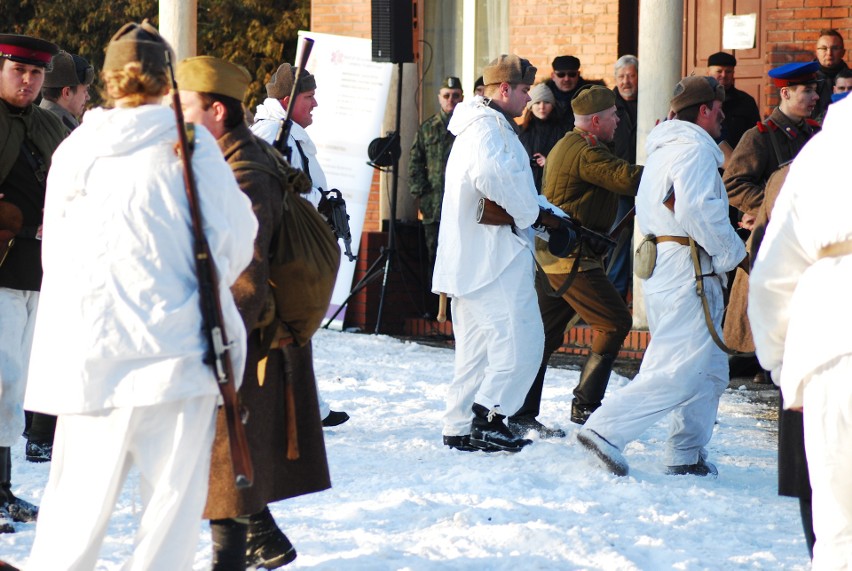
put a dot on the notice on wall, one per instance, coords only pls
(739, 32)
(352, 93)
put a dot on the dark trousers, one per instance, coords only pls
(591, 296)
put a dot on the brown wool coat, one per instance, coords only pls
(275, 477)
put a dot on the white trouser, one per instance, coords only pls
(828, 443)
(168, 443)
(324, 407)
(499, 345)
(683, 373)
(17, 322)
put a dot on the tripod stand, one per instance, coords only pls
(383, 265)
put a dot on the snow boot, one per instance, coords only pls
(461, 443)
(39, 451)
(6, 522)
(608, 454)
(335, 418)
(266, 544)
(490, 434)
(229, 544)
(18, 509)
(521, 425)
(700, 468)
(592, 386)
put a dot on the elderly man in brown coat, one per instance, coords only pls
(244, 532)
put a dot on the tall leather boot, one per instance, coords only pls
(592, 386)
(229, 544)
(266, 544)
(17, 509)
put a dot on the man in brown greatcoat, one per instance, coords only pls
(244, 532)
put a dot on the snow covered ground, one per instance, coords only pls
(401, 500)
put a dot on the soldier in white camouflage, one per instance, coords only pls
(428, 160)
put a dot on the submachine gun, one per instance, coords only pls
(332, 205)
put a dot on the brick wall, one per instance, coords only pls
(588, 29)
(792, 30)
(342, 17)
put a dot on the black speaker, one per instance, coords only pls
(393, 27)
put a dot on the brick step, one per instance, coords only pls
(577, 341)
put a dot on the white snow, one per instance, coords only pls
(401, 500)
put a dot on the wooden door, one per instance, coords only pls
(703, 36)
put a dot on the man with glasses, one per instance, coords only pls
(564, 82)
(830, 52)
(428, 160)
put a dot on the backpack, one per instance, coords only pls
(304, 255)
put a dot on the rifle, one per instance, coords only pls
(218, 355)
(280, 142)
(333, 207)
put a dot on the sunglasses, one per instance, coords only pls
(562, 74)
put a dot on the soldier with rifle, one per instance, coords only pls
(281, 120)
(137, 331)
(244, 532)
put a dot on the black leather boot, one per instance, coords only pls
(229, 544)
(490, 434)
(592, 386)
(18, 509)
(266, 544)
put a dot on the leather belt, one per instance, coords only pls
(682, 240)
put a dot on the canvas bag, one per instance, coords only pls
(305, 255)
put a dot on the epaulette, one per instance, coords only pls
(590, 139)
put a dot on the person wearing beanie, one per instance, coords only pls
(28, 137)
(830, 51)
(740, 108)
(66, 88)
(565, 81)
(585, 180)
(681, 198)
(487, 270)
(119, 346)
(303, 154)
(243, 529)
(541, 127)
(428, 160)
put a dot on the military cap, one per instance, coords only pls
(206, 74)
(137, 43)
(696, 89)
(509, 69)
(566, 63)
(281, 83)
(591, 99)
(479, 82)
(541, 92)
(69, 70)
(796, 73)
(26, 49)
(723, 59)
(451, 82)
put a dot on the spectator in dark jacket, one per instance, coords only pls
(540, 129)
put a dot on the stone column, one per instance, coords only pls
(660, 68)
(179, 26)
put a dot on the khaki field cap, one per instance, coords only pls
(205, 74)
(592, 99)
(137, 42)
(69, 70)
(281, 83)
(696, 89)
(509, 69)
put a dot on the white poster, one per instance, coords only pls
(738, 32)
(352, 92)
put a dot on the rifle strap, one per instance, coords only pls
(699, 289)
(305, 163)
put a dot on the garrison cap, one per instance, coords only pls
(591, 99)
(281, 83)
(451, 82)
(566, 63)
(696, 89)
(26, 49)
(723, 59)
(509, 69)
(796, 73)
(69, 70)
(206, 74)
(137, 43)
